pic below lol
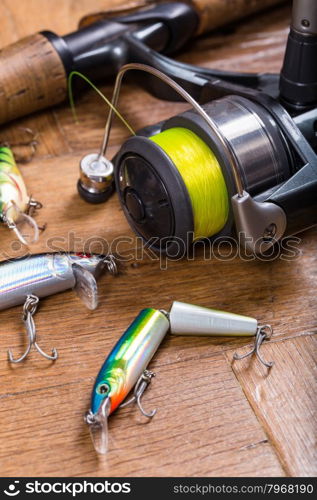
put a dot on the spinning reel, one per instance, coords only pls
(244, 156)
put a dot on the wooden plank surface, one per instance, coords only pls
(193, 433)
(286, 405)
(228, 430)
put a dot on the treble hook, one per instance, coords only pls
(33, 206)
(29, 309)
(26, 217)
(261, 335)
(139, 389)
(111, 264)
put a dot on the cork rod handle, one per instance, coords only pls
(32, 77)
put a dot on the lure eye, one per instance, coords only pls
(103, 389)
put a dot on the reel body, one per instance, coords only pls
(156, 200)
(243, 158)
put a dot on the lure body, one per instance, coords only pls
(46, 274)
(129, 358)
(13, 194)
(188, 319)
(16, 207)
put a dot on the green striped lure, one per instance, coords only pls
(16, 207)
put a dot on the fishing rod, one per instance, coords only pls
(243, 158)
(34, 71)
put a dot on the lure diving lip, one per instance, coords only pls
(125, 368)
(27, 280)
(16, 207)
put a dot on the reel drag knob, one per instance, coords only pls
(96, 182)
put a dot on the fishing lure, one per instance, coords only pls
(27, 280)
(16, 207)
(126, 367)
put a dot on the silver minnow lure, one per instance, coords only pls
(27, 280)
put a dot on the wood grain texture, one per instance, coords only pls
(211, 13)
(286, 405)
(24, 18)
(164, 446)
(209, 421)
(215, 13)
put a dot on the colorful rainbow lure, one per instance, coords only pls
(125, 369)
(16, 207)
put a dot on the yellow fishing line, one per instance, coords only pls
(72, 104)
(202, 176)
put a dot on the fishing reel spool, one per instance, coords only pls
(155, 198)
